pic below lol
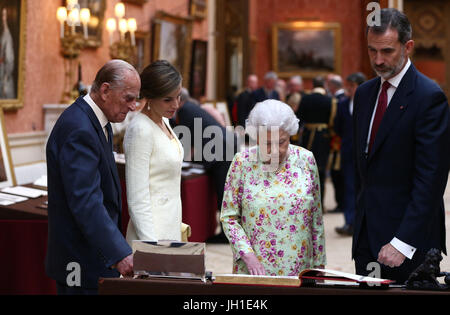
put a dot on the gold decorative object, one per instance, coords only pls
(71, 44)
(123, 50)
(125, 47)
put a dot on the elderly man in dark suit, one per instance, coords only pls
(402, 155)
(84, 195)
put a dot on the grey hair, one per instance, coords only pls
(336, 80)
(297, 79)
(270, 75)
(391, 18)
(113, 72)
(272, 113)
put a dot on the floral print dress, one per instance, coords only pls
(276, 215)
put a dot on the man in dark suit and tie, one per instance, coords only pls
(344, 128)
(267, 91)
(402, 156)
(196, 119)
(84, 195)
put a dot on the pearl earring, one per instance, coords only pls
(148, 105)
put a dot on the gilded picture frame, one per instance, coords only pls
(198, 9)
(197, 86)
(13, 14)
(138, 2)
(7, 176)
(172, 41)
(142, 51)
(222, 107)
(308, 49)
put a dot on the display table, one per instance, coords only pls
(24, 230)
(198, 200)
(182, 287)
(23, 245)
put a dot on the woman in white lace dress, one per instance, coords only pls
(154, 157)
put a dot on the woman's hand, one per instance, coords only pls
(253, 265)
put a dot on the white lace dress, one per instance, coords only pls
(153, 178)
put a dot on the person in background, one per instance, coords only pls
(267, 91)
(317, 111)
(271, 210)
(281, 88)
(402, 156)
(84, 194)
(244, 103)
(154, 157)
(344, 128)
(217, 168)
(295, 92)
(335, 88)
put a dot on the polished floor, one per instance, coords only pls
(338, 248)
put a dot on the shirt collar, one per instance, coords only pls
(97, 111)
(395, 81)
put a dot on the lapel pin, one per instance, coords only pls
(402, 107)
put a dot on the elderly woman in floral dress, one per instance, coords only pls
(271, 211)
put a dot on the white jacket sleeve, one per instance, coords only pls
(138, 146)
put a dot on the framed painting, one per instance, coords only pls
(12, 53)
(198, 9)
(197, 86)
(142, 57)
(95, 26)
(306, 48)
(139, 2)
(7, 177)
(223, 109)
(172, 41)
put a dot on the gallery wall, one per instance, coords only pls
(349, 13)
(44, 65)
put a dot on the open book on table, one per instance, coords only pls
(306, 277)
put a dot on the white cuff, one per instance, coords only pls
(403, 248)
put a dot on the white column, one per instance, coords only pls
(211, 75)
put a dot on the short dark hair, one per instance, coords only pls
(159, 79)
(319, 81)
(357, 77)
(391, 18)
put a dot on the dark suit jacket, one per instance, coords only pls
(316, 108)
(218, 168)
(343, 125)
(400, 184)
(84, 199)
(244, 105)
(259, 95)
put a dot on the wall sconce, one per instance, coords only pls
(72, 43)
(122, 49)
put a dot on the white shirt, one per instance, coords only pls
(402, 247)
(98, 113)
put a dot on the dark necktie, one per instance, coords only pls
(110, 133)
(381, 108)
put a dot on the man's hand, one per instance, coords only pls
(390, 256)
(125, 266)
(253, 264)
